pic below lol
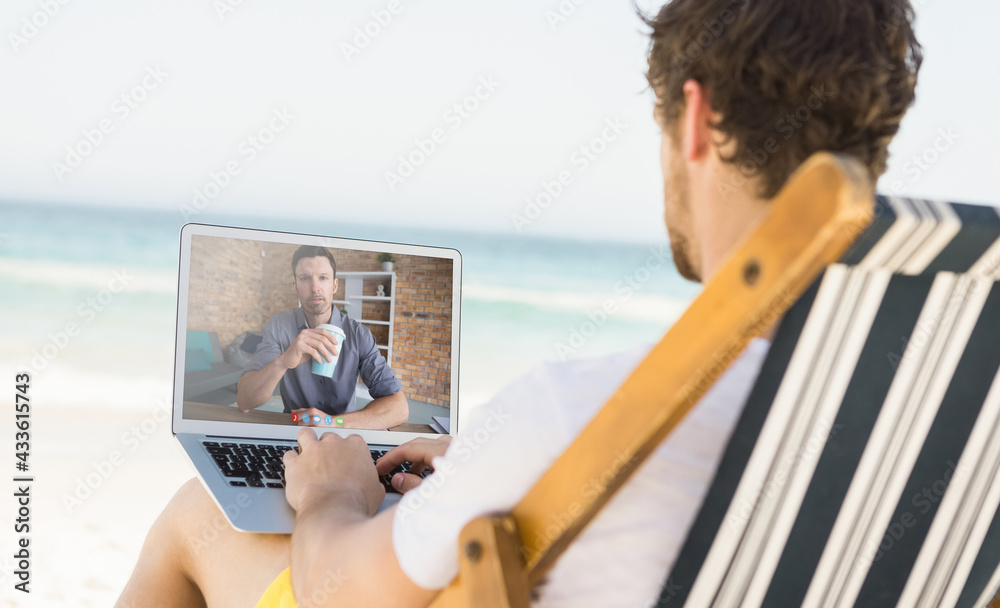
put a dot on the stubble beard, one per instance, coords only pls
(317, 308)
(678, 191)
(680, 247)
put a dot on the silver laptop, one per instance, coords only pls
(239, 303)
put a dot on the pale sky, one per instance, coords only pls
(198, 84)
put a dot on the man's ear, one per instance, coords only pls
(695, 122)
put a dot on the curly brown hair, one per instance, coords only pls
(789, 77)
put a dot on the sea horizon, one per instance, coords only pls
(526, 299)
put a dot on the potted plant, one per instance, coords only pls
(386, 259)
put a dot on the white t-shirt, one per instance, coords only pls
(622, 557)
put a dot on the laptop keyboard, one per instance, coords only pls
(260, 465)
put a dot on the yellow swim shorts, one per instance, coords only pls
(279, 592)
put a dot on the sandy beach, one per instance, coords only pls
(89, 516)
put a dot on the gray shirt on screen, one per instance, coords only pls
(301, 388)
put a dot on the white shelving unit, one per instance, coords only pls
(354, 299)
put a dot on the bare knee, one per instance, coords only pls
(163, 569)
(192, 497)
(188, 523)
(193, 522)
(190, 506)
(220, 561)
(188, 501)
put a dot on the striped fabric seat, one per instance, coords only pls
(912, 237)
(865, 468)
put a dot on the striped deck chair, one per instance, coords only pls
(863, 470)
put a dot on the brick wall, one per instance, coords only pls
(422, 331)
(225, 286)
(237, 285)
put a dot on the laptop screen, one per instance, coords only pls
(285, 329)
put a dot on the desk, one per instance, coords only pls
(412, 427)
(194, 410)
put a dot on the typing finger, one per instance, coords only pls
(306, 437)
(413, 451)
(404, 482)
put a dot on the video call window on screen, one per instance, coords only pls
(389, 314)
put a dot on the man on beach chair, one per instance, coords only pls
(745, 90)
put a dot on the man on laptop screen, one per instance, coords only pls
(294, 339)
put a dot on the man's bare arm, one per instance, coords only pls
(382, 413)
(339, 553)
(341, 556)
(255, 387)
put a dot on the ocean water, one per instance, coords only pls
(88, 298)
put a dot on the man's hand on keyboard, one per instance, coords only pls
(331, 468)
(419, 453)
